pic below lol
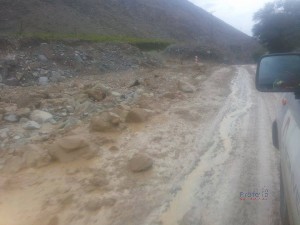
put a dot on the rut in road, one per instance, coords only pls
(238, 156)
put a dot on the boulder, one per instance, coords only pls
(70, 149)
(104, 122)
(40, 116)
(72, 143)
(137, 115)
(140, 162)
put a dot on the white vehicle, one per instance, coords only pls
(281, 73)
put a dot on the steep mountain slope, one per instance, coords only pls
(176, 20)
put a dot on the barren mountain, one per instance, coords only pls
(177, 20)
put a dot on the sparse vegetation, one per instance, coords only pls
(141, 43)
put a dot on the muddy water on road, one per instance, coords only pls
(237, 157)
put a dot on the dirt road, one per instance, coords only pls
(213, 160)
(238, 159)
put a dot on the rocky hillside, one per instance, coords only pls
(177, 20)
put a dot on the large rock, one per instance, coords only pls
(185, 87)
(140, 162)
(70, 148)
(41, 116)
(73, 143)
(104, 122)
(137, 115)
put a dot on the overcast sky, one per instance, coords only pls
(237, 13)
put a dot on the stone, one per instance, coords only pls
(70, 149)
(12, 118)
(43, 81)
(137, 115)
(185, 87)
(57, 76)
(40, 116)
(104, 122)
(140, 162)
(98, 92)
(42, 58)
(72, 143)
(31, 125)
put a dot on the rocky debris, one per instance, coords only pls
(137, 115)
(40, 116)
(31, 125)
(58, 61)
(185, 87)
(12, 118)
(140, 162)
(105, 122)
(70, 148)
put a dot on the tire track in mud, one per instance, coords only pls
(237, 156)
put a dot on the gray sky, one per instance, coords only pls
(237, 13)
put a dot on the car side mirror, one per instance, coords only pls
(279, 73)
